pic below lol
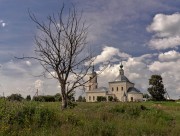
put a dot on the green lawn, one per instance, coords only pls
(90, 119)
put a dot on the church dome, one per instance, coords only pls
(121, 77)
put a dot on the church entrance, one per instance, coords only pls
(131, 99)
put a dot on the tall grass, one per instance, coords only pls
(90, 119)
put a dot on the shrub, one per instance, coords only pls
(58, 97)
(110, 98)
(38, 98)
(15, 97)
(80, 98)
(101, 98)
(45, 98)
(28, 98)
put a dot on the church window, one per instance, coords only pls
(122, 88)
(90, 98)
(117, 88)
(112, 89)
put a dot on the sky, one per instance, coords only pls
(144, 34)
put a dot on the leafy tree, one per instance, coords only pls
(146, 96)
(80, 98)
(15, 97)
(49, 98)
(44, 98)
(83, 99)
(58, 97)
(71, 97)
(28, 98)
(156, 88)
(61, 50)
(38, 98)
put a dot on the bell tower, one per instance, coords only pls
(92, 80)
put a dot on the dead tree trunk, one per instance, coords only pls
(62, 51)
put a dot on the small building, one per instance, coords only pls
(120, 89)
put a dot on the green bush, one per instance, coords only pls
(28, 98)
(110, 98)
(45, 98)
(15, 97)
(101, 98)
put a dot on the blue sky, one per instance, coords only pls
(145, 34)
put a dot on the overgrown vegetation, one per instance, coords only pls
(32, 118)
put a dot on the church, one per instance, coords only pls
(120, 89)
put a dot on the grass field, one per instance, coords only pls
(90, 119)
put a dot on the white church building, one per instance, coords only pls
(120, 89)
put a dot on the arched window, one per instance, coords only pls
(90, 98)
(122, 88)
(112, 89)
(117, 88)
(93, 98)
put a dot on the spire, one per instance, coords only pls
(121, 66)
(121, 71)
(93, 68)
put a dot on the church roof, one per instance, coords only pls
(100, 89)
(122, 78)
(133, 90)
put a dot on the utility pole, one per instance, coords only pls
(3, 96)
(36, 94)
(166, 94)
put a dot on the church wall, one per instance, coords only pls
(92, 96)
(92, 86)
(118, 89)
(135, 97)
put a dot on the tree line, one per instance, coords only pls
(43, 98)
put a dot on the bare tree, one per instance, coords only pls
(61, 50)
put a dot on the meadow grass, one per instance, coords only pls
(90, 119)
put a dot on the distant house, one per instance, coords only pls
(120, 89)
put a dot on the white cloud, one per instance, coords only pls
(28, 63)
(38, 84)
(166, 29)
(169, 56)
(13, 67)
(110, 54)
(2, 23)
(165, 43)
